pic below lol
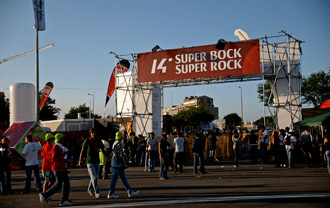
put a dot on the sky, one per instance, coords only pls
(85, 31)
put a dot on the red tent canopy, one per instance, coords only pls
(325, 104)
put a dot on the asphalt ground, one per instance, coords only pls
(245, 186)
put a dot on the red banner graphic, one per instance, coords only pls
(237, 58)
(45, 94)
(121, 67)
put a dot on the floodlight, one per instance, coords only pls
(221, 44)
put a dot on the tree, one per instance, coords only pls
(73, 112)
(193, 116)
(269, 121)
(232, 120)
(4, 108)
(267, 93)
(316, 88)
(49, 112)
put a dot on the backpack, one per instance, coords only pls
(287, 139)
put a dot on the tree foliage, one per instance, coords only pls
(193, 116)
(232, 120)
(269, 121)
(268, 95)
(4, 108)
(49, 112)
(73, 112)
(316, 88)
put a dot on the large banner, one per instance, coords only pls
(237, 58)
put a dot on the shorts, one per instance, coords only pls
(49, 176)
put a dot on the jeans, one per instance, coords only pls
(5, 182)
(163, 166)
(142, 154)
(93, 170)
(118, 171)
(211, 156)
(62, 181)
(152, 158)
(178, 160)
(37, 182)
(290, 157)
(198, 159)
(327, 155)
(236, 155)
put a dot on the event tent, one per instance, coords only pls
(321, 120)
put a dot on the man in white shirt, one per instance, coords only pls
(291, 147)
(31, 152)
(179, 152)
(171, 149)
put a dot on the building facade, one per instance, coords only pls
(194, 101)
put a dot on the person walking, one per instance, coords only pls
(306, 145)
(171, 149)
(5, 171)
(197, 149)
(46, 166)
(61, 174)
(163, 157)
(118, 164)
(326, 148)
(290, 142)
(31, 152)
(104, 160)
(90, 149)
(179, 152)
(254, 147)
(141, 149)
(236, 138)
(152, 151)
(264, 144)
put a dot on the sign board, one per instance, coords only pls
(237, 58)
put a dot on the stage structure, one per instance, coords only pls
(275, 59)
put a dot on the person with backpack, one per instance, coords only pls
(290, 142)
(197, 149)
(118, 164)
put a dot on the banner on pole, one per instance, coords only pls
(45, 94)
(39, 15)
(121, 67)
(237, 58)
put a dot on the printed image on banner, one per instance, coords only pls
(237, 58)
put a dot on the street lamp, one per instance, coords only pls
(93, 103)
(241, 107)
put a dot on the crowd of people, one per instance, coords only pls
(104, 156)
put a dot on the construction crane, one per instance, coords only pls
(26, 53)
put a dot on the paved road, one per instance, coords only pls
(248, 186)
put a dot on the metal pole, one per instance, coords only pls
(241, 106)
(37, 79)
(93, 105)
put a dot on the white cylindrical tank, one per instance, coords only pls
(21, 102)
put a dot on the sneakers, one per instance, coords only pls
(113, 196)
(133, 193)
(66, 203)
(90, 193)
(97, 196)
(42, 199)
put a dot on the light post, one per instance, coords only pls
(93, 102)
(241, 106)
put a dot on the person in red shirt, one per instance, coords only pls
(60, 173)
(46, 167)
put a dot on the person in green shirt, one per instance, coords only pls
(91, 149)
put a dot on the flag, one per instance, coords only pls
(45, 93)
(39, 15)
(121, 67)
